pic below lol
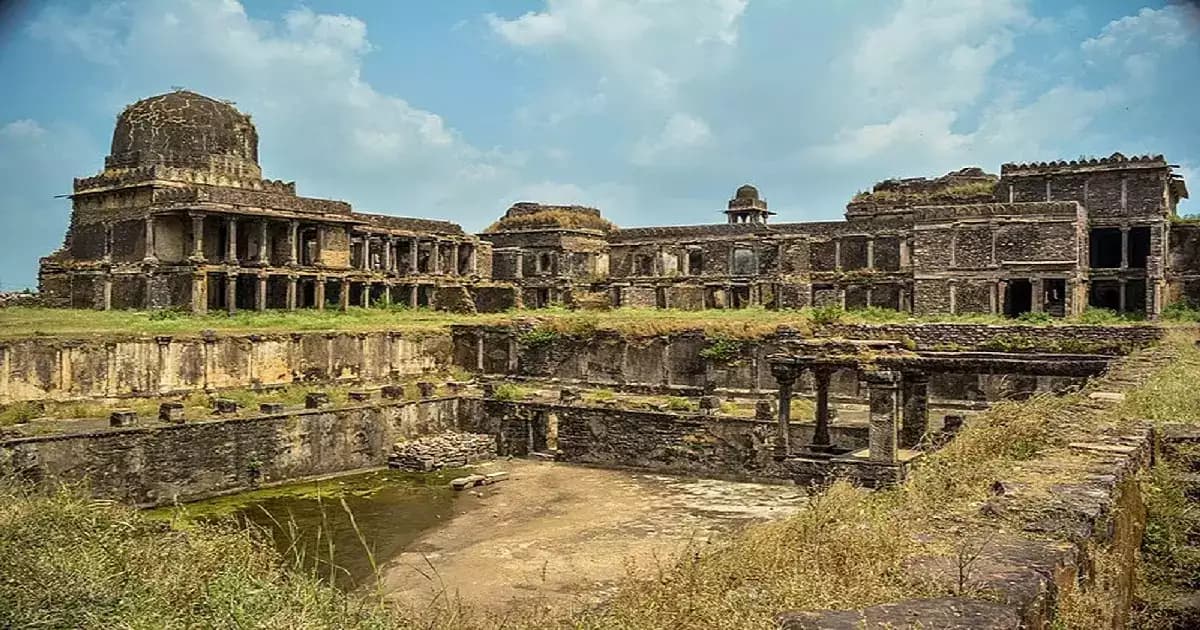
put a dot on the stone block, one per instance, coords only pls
(170, 412)
(470, 481)
(427, 389)
(455, 387)
(568, 396)
(225, 406)
(271, 407)
(489, 390)
(496, 476)
(316, 400)
(359, 396)
(709, 404)
(951, 423)
(122, 418)
(393, 392)
(764, 410)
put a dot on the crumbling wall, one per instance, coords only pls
(163, 464)
(67, 369)
(687, 443)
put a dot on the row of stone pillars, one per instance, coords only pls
(899, 416)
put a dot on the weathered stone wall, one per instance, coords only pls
(687, 443)
(162, 464)
(1037, 538)
(676, 361)
(65, 369)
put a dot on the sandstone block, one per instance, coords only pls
(122, 418)
(170, 412)
(316, 400)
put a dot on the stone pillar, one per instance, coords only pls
(412, 296)
(320, 260)
(1125, 247)
(474, 263)
(387, 294)
(520, 266)
(291, 292)
(821, 441)
(199, 293)
(231, 293)
(263, 255)
(870, 253)
(107, 289)
(293, 242)
(915, 402)
(882, 436)
(837, 254)
(1039, 295)
(412, 257)
(1121, 295)
(231, 245)
(454, 259)
(319, 293)
(260, 295)
(344, 294)
(365, 297)
(364, 261)
(108, 242)
(149, 237)
(435, 258)
(785, 377)
(387, 254)
(197, 237)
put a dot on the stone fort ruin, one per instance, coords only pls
(182, 218)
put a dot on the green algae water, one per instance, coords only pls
(383, 512)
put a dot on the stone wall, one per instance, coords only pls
(680, 443)
(65, 369)
(676, 361)
(162, 464)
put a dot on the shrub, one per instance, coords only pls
(1181, 312)
(509, 391)
(824, 315)
(1036, 318)
(677, 403)
(538, 337)
(721, 350)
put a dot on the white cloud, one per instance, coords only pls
(653, 46)
(937, 52)
(1139, 42)
(682, 132)
(24, 128)
(301, 78)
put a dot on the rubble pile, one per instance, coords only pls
(445, 450)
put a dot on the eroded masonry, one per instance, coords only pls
(181, 217)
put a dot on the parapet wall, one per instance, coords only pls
(67, 369)
(161, 464)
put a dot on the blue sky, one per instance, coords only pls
(652, 110)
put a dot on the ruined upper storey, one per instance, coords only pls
(891, 196)
(185, 129)
(1113, 189)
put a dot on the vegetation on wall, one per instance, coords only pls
(553, 218)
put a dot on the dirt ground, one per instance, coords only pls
(560, 535)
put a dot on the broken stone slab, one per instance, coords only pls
(225, 406)
(470, 481)
(568, 396)
(455, 387)
(543, 456)
(426, 389)
(709, 404)
(316, 400)
(270, 407)
(122, 418)
(393, 392)
(1107, 396)
(359, 396)
(171, 412)
(491, 478)
(1102, 447)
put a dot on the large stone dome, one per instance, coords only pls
(188, 130)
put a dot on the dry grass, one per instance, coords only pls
(20, 322)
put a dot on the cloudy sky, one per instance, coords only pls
(652, 110)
